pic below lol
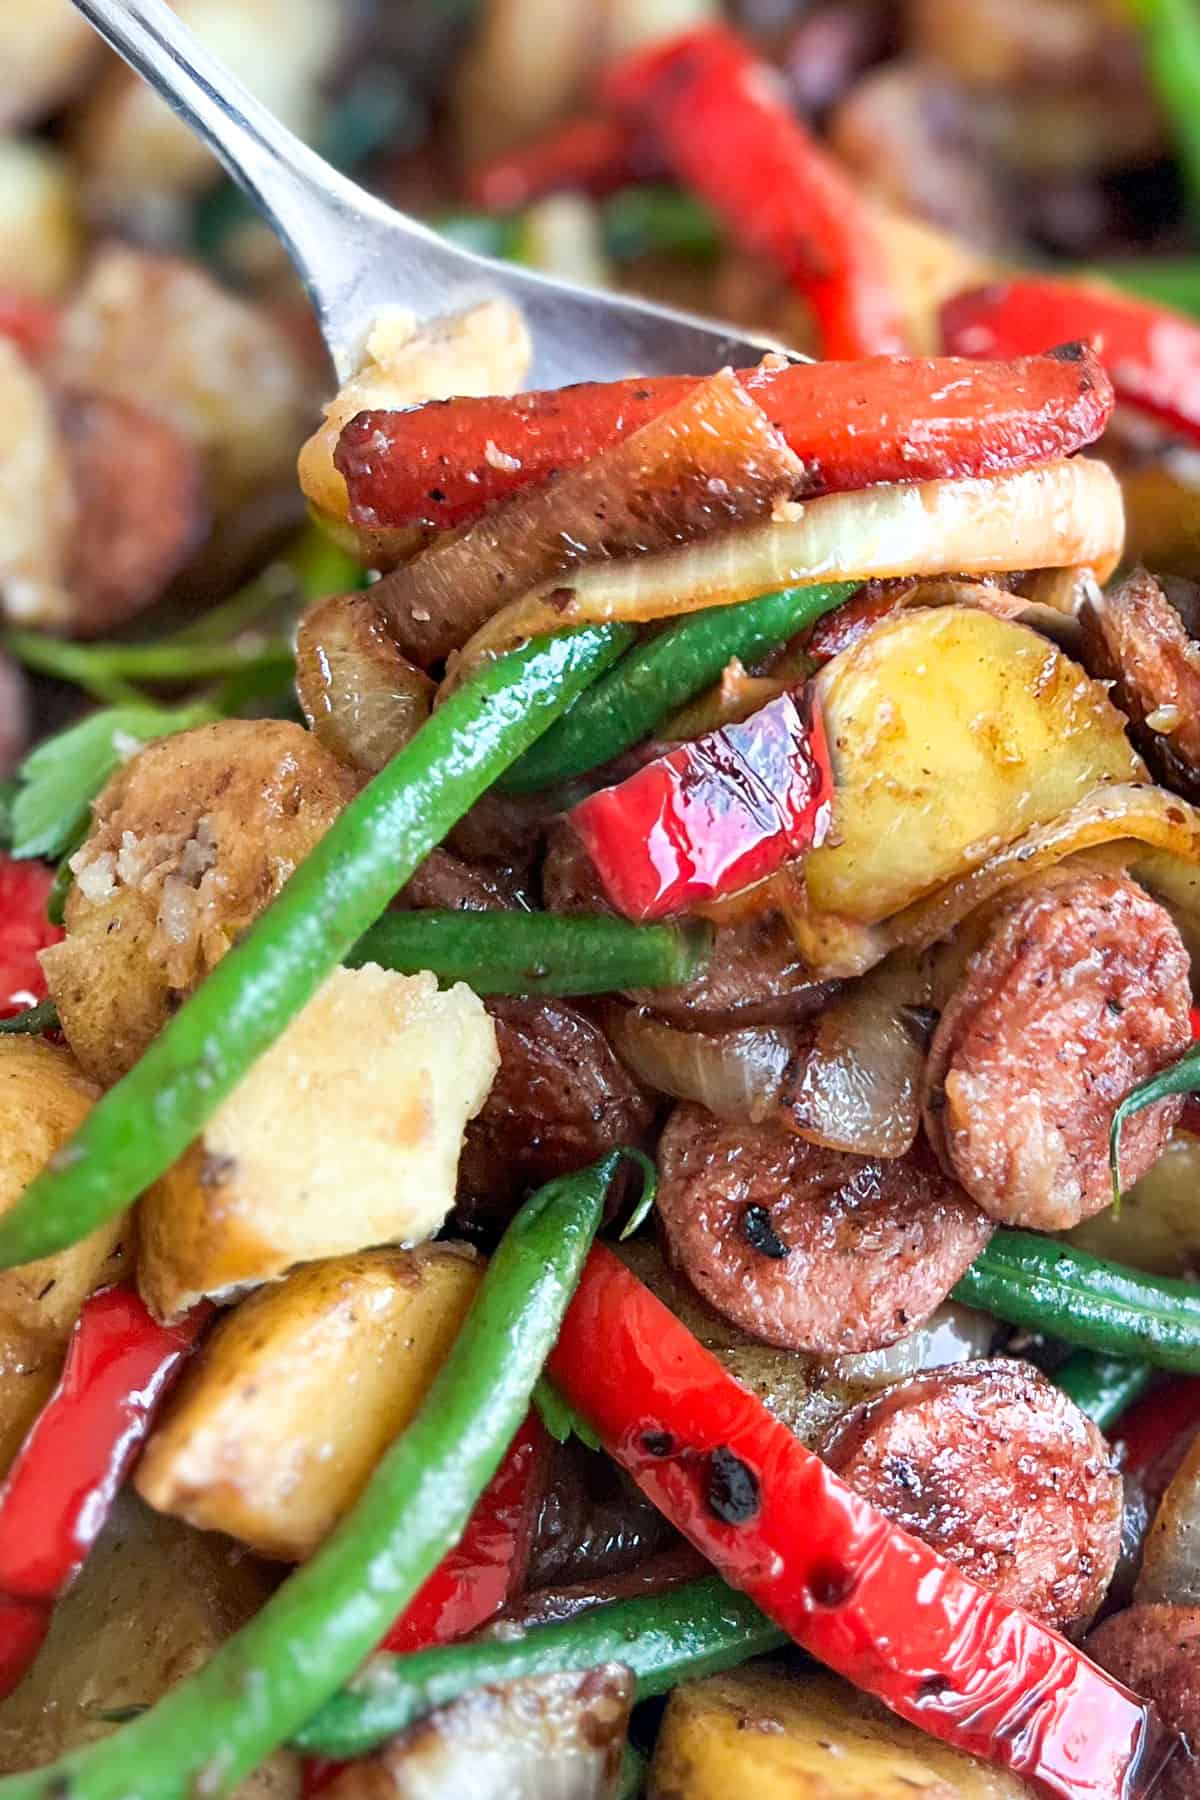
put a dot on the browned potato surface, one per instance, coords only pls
(276, 1428)
(346, 1133)
(762, 1731)
(155, 1599)
(44, 1096)
(193, 837)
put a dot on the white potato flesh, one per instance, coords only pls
(37, 500)
(278, 1424)
(40, 237)
(345, 1134)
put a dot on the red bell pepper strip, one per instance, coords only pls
(596, 155)
(24, 930)
(32, 324)
(714, 815)
(871, 1602)
(1153, 1425)
(1152, 354)
(851, 424)
(59, 1491)
(725, 129)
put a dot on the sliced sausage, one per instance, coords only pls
(755, 975)
(445, 881)
(993, 1466)
(1078, 994)
(805, 1247)
(138, 486)
(1134, 637)
(560, 1100)
(1155, 1650)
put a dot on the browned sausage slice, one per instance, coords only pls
(805, 1247)
(1134, 637)
(1079, 993)
(141, 511)
(994, 1467)
(1155, 1650)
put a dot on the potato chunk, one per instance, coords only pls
(192, 838)
(275, 1430)
(46, 50)
(345, 1134)
(44, 1096)
(40, 237)
(38, 510)
(761, 1731)
(153, 1602)
(159, 332)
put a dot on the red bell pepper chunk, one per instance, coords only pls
(1151, 353)
(851, 424)
(725, 129)
(871, 1602)
(32, 324)
(715, 815)
(59, 1491)
(24, 930)
(595, 155)
(1149, 1428)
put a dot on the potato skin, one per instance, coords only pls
(153, 1601)
(192, 838)
(44, 1097)
(345, 1133)
(761, 1730)
(260, 1440)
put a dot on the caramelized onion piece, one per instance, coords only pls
(735, 1074)
(362, 699)
(1171, 1561)
(712, 461)
(952, 1334)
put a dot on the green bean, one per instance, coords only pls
(664, 671)
(100, 669)
(535, 953)
(32, 1022)
(485, 234)
(687, 1632)
(648, 220)
(1103, 1386)
(8, 793)
(1170, 281)
(138, 1128)
(60, 888)
(1170, 32)
(261, 1686)
(1046, 1285)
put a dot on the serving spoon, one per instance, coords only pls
(358, 256)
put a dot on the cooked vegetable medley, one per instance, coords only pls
(600, 988)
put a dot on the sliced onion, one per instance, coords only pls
(712, 461)
(952, 1334)
(858, 1088)
(735, 1074)
(1171, 1563)
(1057, 514)
(1110, 824)
(361, 697)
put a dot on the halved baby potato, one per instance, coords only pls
(345, 1134)
(276, 1428)
(40, 231)
(44, 1098)
(761, 1731)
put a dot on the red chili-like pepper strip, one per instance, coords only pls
(863, 1596)
(851, 424)
(714, 815)
(24, 930)
(32, 324)
(485, 1570)
(1152, 354)
(1154, 1424)
(725, 129)
(595, 155)
(59, 1491)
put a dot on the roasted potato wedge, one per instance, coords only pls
(260, 1441)
(925, 793)
(485, 350)
(40, 237)
(192, 837)
(44, 1096)
(1157, 1225)
(159, 332)
(38, 511)
(763, 1731)
(346, 1133)
(154, 1600)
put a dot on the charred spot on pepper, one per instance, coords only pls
(732, 1491)
(1069, 353)
(760, 1234)
(831, 1584)
(658, 1443)
(933, 1689)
